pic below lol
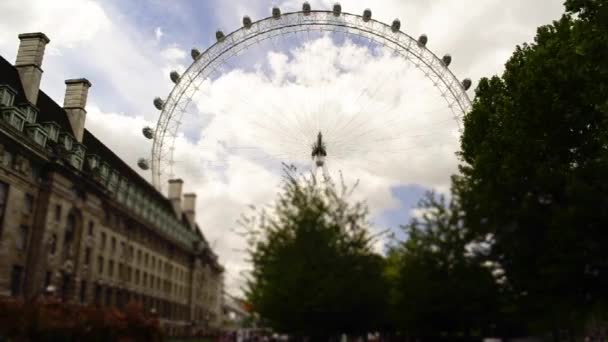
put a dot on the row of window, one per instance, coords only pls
(141, 258)
(126, 273)
(65, 292)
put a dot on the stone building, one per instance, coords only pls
(76, 217)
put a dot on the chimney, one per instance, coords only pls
(74, 103)
(189, 207)
(175, 195)
(29, 63)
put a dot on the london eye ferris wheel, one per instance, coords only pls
(311, 87)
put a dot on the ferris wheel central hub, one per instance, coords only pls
(319, 151)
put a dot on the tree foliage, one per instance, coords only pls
(440, 287)
(314, 269)
(535, 162)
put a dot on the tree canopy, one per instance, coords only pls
(314, 269)
(535, 161)
(440, 287)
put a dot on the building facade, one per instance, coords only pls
(76, 218)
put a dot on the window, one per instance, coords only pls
(7, 159)
(68, 237)
(6, 97)
(100, 265)
(113, 245)
(146, 259)
(145, 282)
(16, 275)
(57, 213)
(137, 277)
(108, 296)
(22, 237)
(28, 204)
(91, 227)
(52, 129)
(3, 195)
(30, 114)
(83, 291)
(98, 294)
(138, 257)
(102, 244)
(47, 280)
(111, 268)
(87, 256)
(53, 242)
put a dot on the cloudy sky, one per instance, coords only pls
(384, 122)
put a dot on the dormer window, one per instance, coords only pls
(14, 117)
(52, 130)
(123, 187)
(104, 170)
(37, 133)
(76, 161)
(7, 96)
(114, 178)
(78, 149)
(66, 140)
(30, 113)
(92, 161)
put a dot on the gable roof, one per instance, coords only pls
(49, 110)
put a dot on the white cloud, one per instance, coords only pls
(66, 22)
(173, 53)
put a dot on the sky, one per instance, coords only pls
(385, 124)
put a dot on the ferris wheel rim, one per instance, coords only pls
(358, 25)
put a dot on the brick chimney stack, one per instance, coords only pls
(29, 63)
(75, 102)
(175, 195)
(190, 207)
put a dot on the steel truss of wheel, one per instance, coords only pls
(228, 46)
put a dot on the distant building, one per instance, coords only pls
(75, 217)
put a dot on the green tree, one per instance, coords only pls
(535, 165)
(314, 269)
(440, 287)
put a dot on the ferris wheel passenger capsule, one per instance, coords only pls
(148, 132)
(306, 8)
(143, 164)
(422, 40)
(174, 76)
(466, 83)
(367, 15)
(276, 12)
(158, 103)
(247, 21)
(447, 59)
(337, 9)
(219, 35)
(195, 54)
(396, 26)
